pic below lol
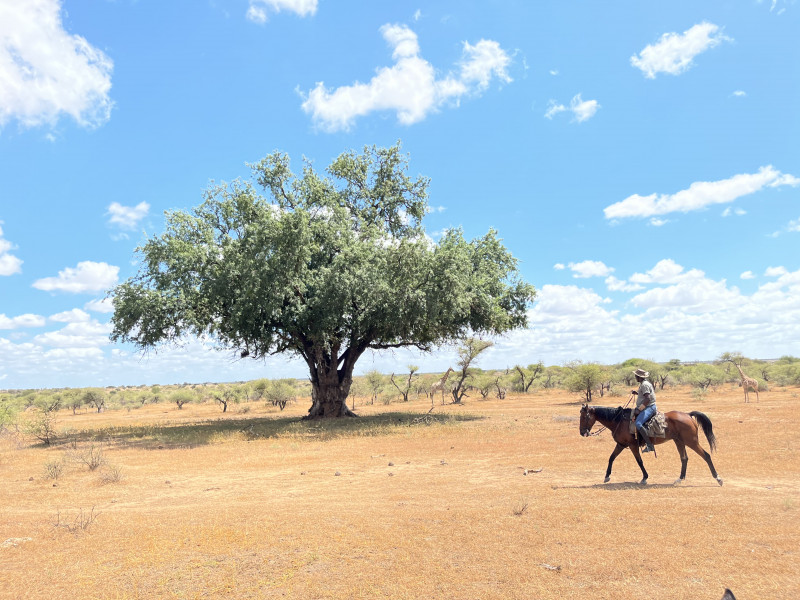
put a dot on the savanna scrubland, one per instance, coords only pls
(492, 497)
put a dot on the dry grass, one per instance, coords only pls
(493, 499)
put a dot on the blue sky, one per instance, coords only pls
(641, 160)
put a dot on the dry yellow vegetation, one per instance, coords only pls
(492, 499)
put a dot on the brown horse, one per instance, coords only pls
(680, 428)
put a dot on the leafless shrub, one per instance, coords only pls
(92, 457)
(111, 474)
(53, 469)
(82, 521)
(520, 508)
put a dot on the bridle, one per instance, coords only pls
(587, 408)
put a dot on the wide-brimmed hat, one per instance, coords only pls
(641, 373)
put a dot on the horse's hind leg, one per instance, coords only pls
(684, 460)
(706, 457)
(614, 455)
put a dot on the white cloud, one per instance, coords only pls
(674, 53)
(553, 108)
(793, 225)
(553, 72)
(127, 217)
(700, 194)
(88, 276)
(656, 222)
(665, 271)
(410, 87)
(590, 268)
(46, 72)
(559, 266)
(9, 264)
(258, 11)
(775, 271)
(739, 94)
(747, 275)
(690, 295)
(83, 334)
(739, 212)
(582, 110)
(76, 315)
(21, 321)
(103, 305)
(417, 15)
(617, 285)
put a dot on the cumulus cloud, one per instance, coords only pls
(665, 271)
(258, 11)
(88, 276)
(700, 194)
(76, 315)
(81, 334)
(747, 275)
(127, 217)
(21, 321)
(582, 110)
(739, 94)
(674, 53)
(102, 305)
(775, 271)
(617, 285)
(590, 268)
(9, 264)
(410, 87)
(46, 72)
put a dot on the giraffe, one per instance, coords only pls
(747, 382)
(439, 385)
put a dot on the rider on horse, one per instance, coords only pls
(645, 405)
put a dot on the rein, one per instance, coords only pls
(603, 428)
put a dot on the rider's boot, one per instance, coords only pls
(646, 438)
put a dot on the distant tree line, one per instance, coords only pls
(35, 412)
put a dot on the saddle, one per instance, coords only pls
(655, 426)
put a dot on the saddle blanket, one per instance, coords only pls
(656, 426)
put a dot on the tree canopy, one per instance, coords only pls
(324, 267)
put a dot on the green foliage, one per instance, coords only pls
(526, 376)
(585, 378)
(41, 424)
(468, 353)
(325, 268)
(95, 398)
(280, 392)
(702, 375)
(183, 396)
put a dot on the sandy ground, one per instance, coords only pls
(492, 499)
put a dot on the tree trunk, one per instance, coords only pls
(329, 390)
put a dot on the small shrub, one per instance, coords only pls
(82, 521)
(699, 394)
(53, 469)
(111, 474)
(92, 457)
(520, 508)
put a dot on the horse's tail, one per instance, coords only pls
(705, 423)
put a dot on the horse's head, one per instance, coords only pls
(587, 420)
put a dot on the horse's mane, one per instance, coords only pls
(615, 415)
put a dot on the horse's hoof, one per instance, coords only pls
(719, 480)
(643, 482)
(678, 481)
(607, 479)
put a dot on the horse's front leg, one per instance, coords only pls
(634, 446)
(611, 458)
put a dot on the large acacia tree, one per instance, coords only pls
(325, 266)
